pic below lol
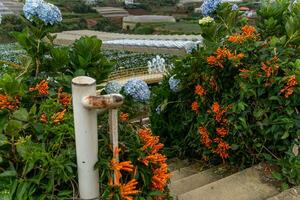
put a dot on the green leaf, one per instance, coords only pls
(285, 135)
(3, 140)
(21, 115)
(13, 127)
(277, 175)
(155, 193)
(285, 186)
(8, 173)
(235, 147)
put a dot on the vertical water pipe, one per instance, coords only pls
(85, 123)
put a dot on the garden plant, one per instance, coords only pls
(237, 96)
(37, 140)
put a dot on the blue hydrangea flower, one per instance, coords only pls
(209, 6)
(158, 110)
(234, 7)
(174, 84)
(113, 87)
(47, 12)
(30, 8)
(137, 89)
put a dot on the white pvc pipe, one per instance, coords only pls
(113, 131)
(85, 121)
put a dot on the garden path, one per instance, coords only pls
(194, 183)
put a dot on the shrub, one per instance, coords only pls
(238, 101)
(37, 144)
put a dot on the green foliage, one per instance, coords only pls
(281, 19)
(87, 57)
(37, 158)
(143, 29)
(84, 57)
(130, 150)
(255, 80)
(225, 23)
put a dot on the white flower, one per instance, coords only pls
(157, 65)
(206, 20)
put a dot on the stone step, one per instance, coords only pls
(244, 185)
(290, 194)
(194, 181)
(185, 172)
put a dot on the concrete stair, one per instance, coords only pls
(110, 12)
(291, 194)
(193, 183)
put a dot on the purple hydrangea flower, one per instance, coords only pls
(137, 89)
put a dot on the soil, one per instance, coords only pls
(137, 11)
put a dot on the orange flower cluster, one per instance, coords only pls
(205, 139)
(7, 103)
(269, 71)
(44, 118)
(58, 117)
(222, 132)
(244, 73)
(150, 142)
(124, 117)
(288, 89)
(117, 167)
(160, 177)
(41, 87)
(125, 166)
(248, 32)
(63, 98)
(160, 168)
(195, 106)
(199, 90)
(154, 159)
(222, 148)
(219, 112)
(222, 53)
(128, 189)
